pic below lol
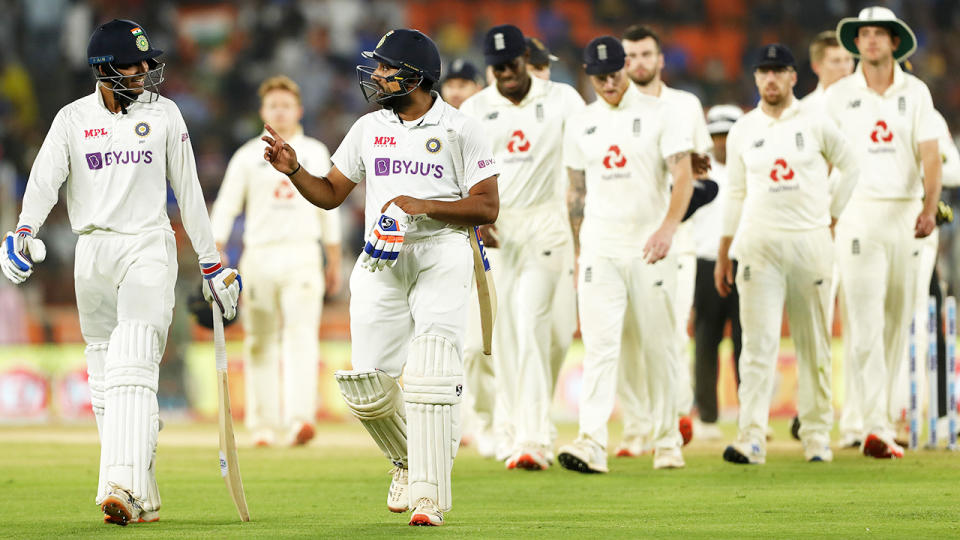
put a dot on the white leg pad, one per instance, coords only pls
(131, 421)
(376, 399)
(433, 382)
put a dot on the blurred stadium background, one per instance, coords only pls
(217, 53)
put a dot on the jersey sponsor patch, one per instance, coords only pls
(518, 142)
(98, 160)
(881, 133)
(95, 133)
(381, 142)
(483, 163)
(142, 129)
(781, 171)
(614, 158)
(387, 167)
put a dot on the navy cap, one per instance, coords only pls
(120, 42)
(410, 49)
(539, 53)
(461, 69)
(502, 44)
(774, 55)
(603, 55)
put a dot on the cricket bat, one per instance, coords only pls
(229, 460)
(486, 293)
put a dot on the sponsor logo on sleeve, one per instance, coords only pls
(484, 163)
(184, 136)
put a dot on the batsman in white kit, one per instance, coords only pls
(429, 175)
(889, 119)
(618, 151)
(115, 149)
(782, 206)
(283, 299)
(524, 118)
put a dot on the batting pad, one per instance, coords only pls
(131, 420)
(376, 400)
(432, 383)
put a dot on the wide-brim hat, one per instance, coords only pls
(877, 16)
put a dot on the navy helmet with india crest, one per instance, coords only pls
(119, 44)
(415, 56)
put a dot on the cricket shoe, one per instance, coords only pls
(881, 447)
(795, 428)
(398, 500)
(263, 438)
(584, 456)
(530, 457)
(632, 446)
(303, 435)
(817, 451)
(426, 513)
(685, 425)
(745, 453)
(668, 457)
(851, 440)
(122, 508)
(708, 431)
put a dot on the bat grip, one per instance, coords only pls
(219, 342)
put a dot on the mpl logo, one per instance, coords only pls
(781, 171)
(95, 133)
(614, 158)
(383, 142)
(518, 142)
(881, 133)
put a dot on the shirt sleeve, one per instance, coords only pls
(348, 158)
(478, 162)
(702, 142)
(675, 137)
(837, 152)
(736, 187)
(572, 154)
(926, 127)
(50, 170)
(230, 199)
(182, 174)
(330, 230)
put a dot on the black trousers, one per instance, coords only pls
(711, 315)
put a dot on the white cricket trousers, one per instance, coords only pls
(611, 291)
(535, 255)
(778, 267)
(878, 259)
(282, 302)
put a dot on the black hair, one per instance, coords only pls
(639, 32)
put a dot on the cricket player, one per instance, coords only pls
(459, 83)
(780, 200)
(284, 299)
(115, 149)
(711, 311)
(524, 118)
(644, 65)
(618, 151)
(540, 58)
(888, 117)
(430, 174)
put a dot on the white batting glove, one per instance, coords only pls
(21, 251)
(223, 286)
(385, 240)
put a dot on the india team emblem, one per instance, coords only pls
(433, 145)
(142, 129)
(142, 43)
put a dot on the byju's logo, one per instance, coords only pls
(387, 166)
(614, 158)
(881, 132)
(518, 142)
(97, 160)
(381, 166)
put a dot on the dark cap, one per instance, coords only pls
(120, 42)
(408, 49)
(774, 55)
(539, 53)
(603, 55)
(461, 69)
(502, 44)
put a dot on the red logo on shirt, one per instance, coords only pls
(781, 171)
(380, 142)
(94, 133)
(614, 158)
(881, 132)
(518, 142)
(284, 190)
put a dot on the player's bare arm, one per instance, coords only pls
(576, 200)
(327, 192)
(658, 245)
(480, 207)
(932, 169)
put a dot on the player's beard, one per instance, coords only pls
(645, 81)
(396, 103)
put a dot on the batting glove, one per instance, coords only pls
(20, 252)
(223, 286)
(944, 213)
(385, 240)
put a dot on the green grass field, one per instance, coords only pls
(337, 488)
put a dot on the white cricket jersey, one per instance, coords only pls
(527, 139)
(707, 221)
(815, 100)
(688, 108)
(949, 157)
(116, 167)
(414, 158)
(884, 131)
(777, 171)
(275, 211)
(622, 151)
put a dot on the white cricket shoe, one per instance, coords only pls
(398, 500)
(745, 453)
(668, 457)
(426, 513)
(815, 450)
(708, 431)
(633, 446)
(122, 508)
(584, 455)
(532, 457)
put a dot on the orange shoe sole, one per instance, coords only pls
(527, 462)
(623, 452)
(421, 520)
